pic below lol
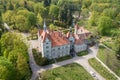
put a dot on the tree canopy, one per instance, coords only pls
(105, 25)
(7, 70)
(15, 50)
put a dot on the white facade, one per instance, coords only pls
(51, 52)
(54, 52)
(71, 42)
(79, 48)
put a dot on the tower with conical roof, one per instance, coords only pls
(44, 26)
(71, 38)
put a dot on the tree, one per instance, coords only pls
(99, 7)
(15, 50)
(94, 18)
(7, 16)
(31, 19)
(22, 67)
(1, 26)
(17, 5)
(10, 41)
(52, 27)
(20, 23)
(104, 25)
(40, 9)
(54, 11)
(118, 17)
(25, 20)
(86, 3)
(67, 8)
(39, 19)
(54, 2)
(118, 46)
(7, 70)
(10, 7)
(47, 3)
(110, 12)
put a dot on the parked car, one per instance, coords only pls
(92, 73)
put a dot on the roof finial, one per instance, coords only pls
(44, 26)
(70, 29)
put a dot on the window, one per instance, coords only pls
(47, 51)
(53, 49)
(47, 46)
(47, 55)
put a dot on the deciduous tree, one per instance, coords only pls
(7, 70)
(104, 25)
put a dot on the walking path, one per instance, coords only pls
(108, 68)
(105, 65)
(80, 60)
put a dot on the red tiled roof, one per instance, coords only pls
(40, 32)
(76, 26)
(44, 35)
(57, 38)
(68, 35)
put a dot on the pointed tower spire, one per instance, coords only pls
(44, 26)
(73, 23)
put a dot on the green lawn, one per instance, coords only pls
(110, 43)
(102, 70)
(109, 58)
(82, 53)
(63, 58)
(68, 72)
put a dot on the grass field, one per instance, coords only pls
(102, 70)
(109, 58)
(68, 72)
(110, 43)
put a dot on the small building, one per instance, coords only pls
(54, 44)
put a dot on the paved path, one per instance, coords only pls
(106, 47)
(80, 60)
(6, 26)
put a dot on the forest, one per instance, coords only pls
(102, 17)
